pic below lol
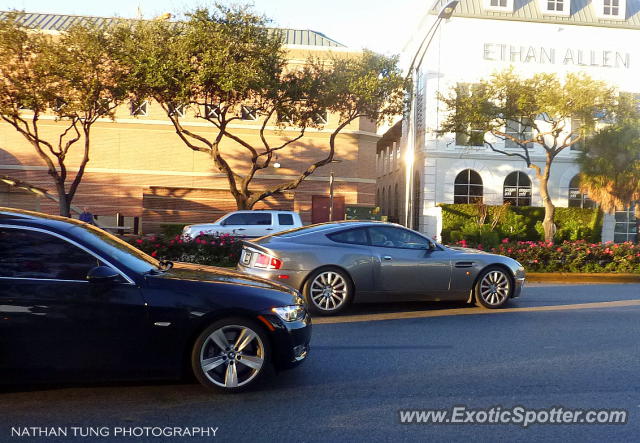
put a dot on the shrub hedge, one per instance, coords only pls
(578, 256)
(519, 223)
(205, 250)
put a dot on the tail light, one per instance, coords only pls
(266, 261)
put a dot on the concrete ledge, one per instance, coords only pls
(571, 277)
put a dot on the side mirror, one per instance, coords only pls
(102, 274)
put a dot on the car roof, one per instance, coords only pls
(326, 227)
(23, 217)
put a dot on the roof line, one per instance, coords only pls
(36, 20)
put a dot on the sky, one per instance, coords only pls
(381, 25)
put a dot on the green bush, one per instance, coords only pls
(525, 222)
(171, 229)
(477, 234)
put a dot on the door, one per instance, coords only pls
(54, 321)
(320, 205)
(249, 224)
(408, 263)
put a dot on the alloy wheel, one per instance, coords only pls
(232, 356)
(494, 288)
(329, 290)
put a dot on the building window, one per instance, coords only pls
(177, 110)
(383, 202)
(555, 5)
(499, 5)
(396, 199)
(139, 109)
(520, 130)
(248, 113)
(517, 189)
(611, 7)
(471, 137)
(417, 195)
(578, 199)
(211, 111)
(320, 118)
(468, 187)
(576, 130)
(627, 223)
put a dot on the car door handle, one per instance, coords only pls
(387, 258)
(269, 229)
(240, 229)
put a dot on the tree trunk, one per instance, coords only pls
(549, 210)
(243, 202)
(64, 204)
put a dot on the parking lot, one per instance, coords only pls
(559, 345)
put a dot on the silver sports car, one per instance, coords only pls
(334, 264)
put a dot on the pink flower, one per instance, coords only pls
(535, 261)
(559, 249)
(139, 241)
(505, 240)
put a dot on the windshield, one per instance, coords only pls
(122, 252)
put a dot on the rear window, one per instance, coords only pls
(247, 218)
(352, 236)
(285, 219)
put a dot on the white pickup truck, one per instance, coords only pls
(247, 224)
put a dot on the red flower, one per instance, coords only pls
(154, 253)
(139, 241)
(559, 249)
(505, 240)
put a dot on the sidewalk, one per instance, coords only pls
(569, 277)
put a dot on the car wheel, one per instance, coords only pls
(328, 291)
(493, 288)
(231, 355)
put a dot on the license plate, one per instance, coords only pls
(246, 258)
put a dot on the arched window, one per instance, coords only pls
(383, 202)
(467, 187)
(576, 198)
(517, 189)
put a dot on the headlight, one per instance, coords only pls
(290, 313)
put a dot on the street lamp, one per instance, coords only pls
(412, 75)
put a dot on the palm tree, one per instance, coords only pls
(610, 166)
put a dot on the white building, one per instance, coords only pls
(599, 37)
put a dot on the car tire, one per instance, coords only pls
(493, 288)
(328, 291)
(231, 355)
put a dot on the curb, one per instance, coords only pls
(570, 277)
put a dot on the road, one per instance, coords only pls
(563, 345)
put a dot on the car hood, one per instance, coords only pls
(202, 273)
(202, 226)
(462, 250)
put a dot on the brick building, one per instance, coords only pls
(140, 168)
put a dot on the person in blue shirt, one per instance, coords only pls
(87, 216)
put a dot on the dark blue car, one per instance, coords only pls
(77, 303)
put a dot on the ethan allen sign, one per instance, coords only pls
(551, 56)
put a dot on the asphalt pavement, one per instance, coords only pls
(557, 346)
